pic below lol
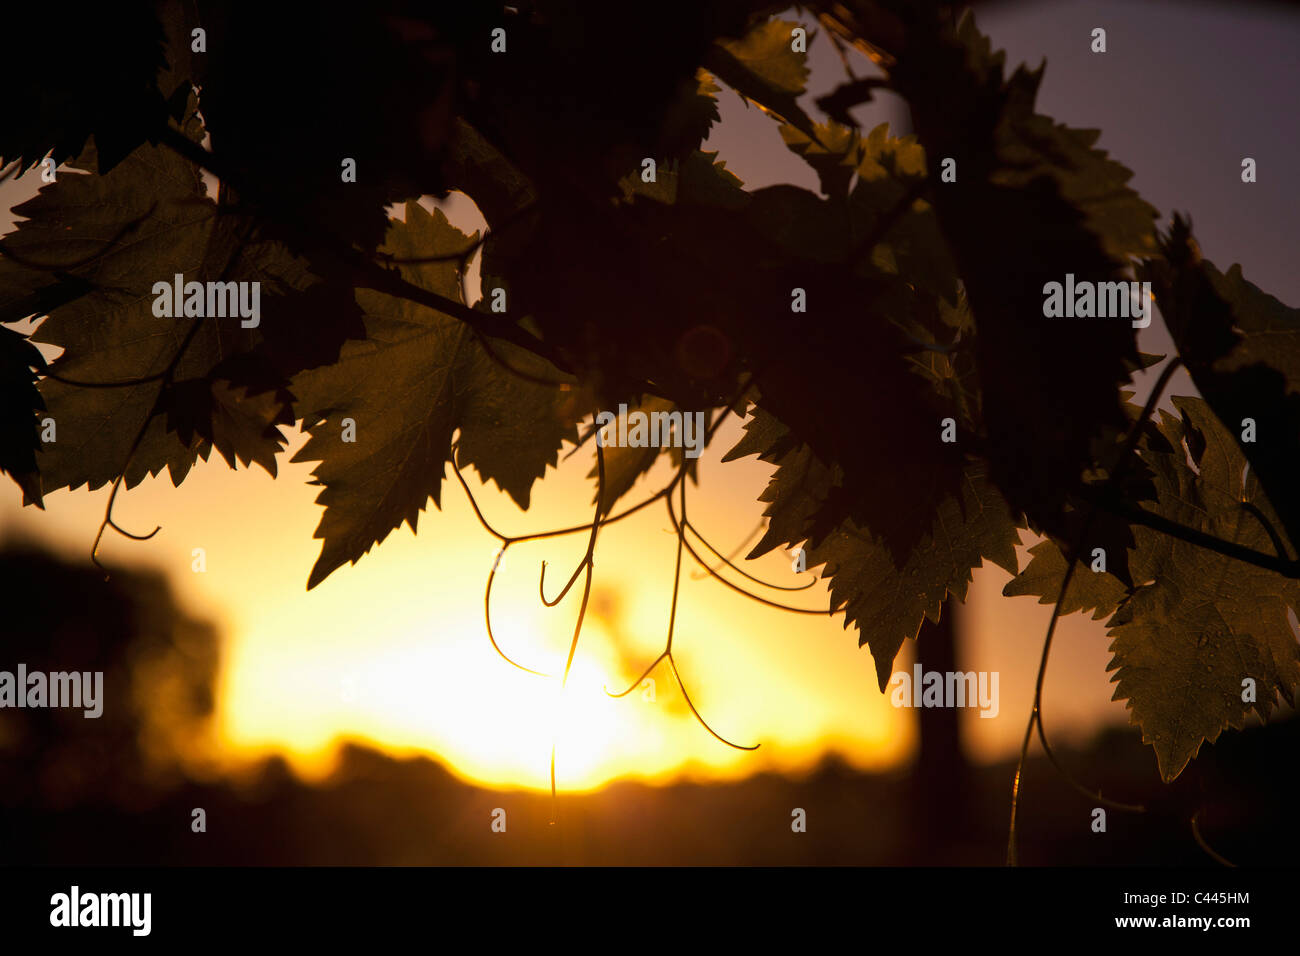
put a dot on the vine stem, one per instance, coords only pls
(1071, 559)
(1156, 522)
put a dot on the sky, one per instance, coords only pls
(393, 651)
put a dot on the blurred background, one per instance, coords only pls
(370, 721)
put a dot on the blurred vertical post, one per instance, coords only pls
(941, 800)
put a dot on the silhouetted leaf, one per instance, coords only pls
(764, 67)
(624, 464)
(1187, 640)
(418, 378)
(700, 179)
(798, 490)
(68, 78)
(117, 233)
(852, 356)
(1242, 349)
(106, 240)
(834, 153)
(1029, 205)
(690, 116)
(886, 601)
(386, 103)
(235, 409)
(19, 402)
(837, 103)
(582, 95)
(913, 245)
(1098, 592)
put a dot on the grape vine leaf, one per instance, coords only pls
(418, 378)
(235, 409)
(575, 105)
(93, 74)
(913, 245)
(804, 482)
(19, 401)
(1187, 640)
(834, 153)
(763, 67)
(886, 601)
(1033, 202)
(690, 116)
(393, 122)
(118, 233)
(700, 178)
(108, 238)
(1242, 349)
(1098, 592)
(788, 237)
(625, 464)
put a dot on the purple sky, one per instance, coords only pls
(1184, 92)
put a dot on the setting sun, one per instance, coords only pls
(435, 683)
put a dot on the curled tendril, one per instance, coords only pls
(1200, 841)
(680, 526)
(728, 562)
(541, 583)
(487, 620)
(637, 683)
(735, 552)
(667, 653)
(108, 522)
(703, 723)
(585, 570)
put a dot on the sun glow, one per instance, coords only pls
(393, 653)
(495, 724)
